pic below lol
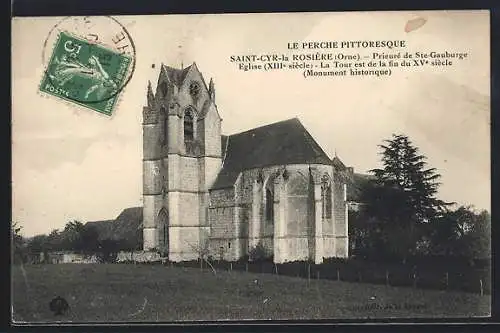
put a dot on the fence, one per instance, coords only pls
(459, 278)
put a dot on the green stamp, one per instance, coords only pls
(86, 73)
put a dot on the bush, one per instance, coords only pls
(259, 253)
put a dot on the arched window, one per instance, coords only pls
(164, 89)
(269, 206)
(163, 225)
(188, 127)
(164, 114)
(326, 197)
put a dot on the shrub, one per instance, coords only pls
(259, 253)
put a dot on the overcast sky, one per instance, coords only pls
(71, 163)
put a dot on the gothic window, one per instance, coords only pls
(269, 206)
(165, 129)
(164, 89)
(188, 126)
(164, 114)
(163, 223)
(326, 198)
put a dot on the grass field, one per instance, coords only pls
(120, 292)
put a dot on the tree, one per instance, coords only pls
(89, 239)
(17, 239)
(38, 244)
(72, 236)
(54, 241)
(449, 230)
(477, 239)
(401, 199)
(108, 250)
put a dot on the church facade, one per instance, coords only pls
(207, 194)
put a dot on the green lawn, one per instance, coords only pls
(120, 292)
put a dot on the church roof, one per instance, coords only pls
(127, 226)
(176, 75)
(338, 163)
(284, 142)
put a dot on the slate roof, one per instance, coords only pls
(176, 75)
(284, 142)
(127, 226)
(338, 164)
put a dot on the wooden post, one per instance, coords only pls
(308, 272)
(246, 267)
(338, 274)
(276, 269)
(481, 285)
(231, 266)
(446, 280)
(387, 277)
(414, 280)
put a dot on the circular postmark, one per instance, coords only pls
(88, 60)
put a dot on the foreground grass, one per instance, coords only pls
(103, 293)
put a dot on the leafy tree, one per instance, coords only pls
(401, 199)
(477, 239)
(449, 230)
(72, 236)
(38, 244)
(259, 253)
(89, 239)
(55, 241)
(18, 252)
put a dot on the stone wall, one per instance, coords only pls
(137, 256)
(238, 222)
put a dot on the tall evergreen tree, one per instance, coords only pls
(402, 197)
(404, 169)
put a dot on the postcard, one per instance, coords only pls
(229, 167)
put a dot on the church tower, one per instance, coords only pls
(181, 159)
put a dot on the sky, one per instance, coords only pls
(73, 163)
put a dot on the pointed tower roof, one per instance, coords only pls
(175, 75)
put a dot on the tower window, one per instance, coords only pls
(188, 127)
(164, 114)
(164, 89)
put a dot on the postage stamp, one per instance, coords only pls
(88, 62)
(85, 73)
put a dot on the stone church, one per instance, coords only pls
(215, 195)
